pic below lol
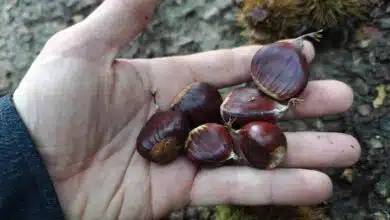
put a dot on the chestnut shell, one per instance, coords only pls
(162, 138)
(280, 70)
(263, 144)
(209, 145)
(246, 104)
(201, 102)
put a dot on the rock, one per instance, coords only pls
(182, 41)
(347, 175)
(375, 143)
(300, 125)
(229, 17)
(361, 87)
(381, 54)
(210, 13)
(377, 12)
(204, 213)
(384, 123)
(365, 43)
(384, 23)
(334, 126)
(383, 187)
(184, 9)
(77, 18)
(78, 5)
(177, 215)
(380, 216)
(5, 66)
(6, 70)
(223, 4)
(2, 42)
(191, 213)
(372, 58)
(335, 117)
(319, 125)
(364, 110)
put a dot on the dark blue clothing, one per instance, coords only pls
(26, 190)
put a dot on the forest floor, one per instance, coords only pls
(184, 27)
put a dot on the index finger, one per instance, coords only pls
(222, 68)
(322, 97)
(230, 67)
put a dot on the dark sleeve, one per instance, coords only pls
(26, 190)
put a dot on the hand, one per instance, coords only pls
(84, 109)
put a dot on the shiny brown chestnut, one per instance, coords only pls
(209, 145)
(280, 69)
(246, 104)
(162, 138)
(201, 102)
(260, 144)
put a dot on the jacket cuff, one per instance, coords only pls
(26, 189)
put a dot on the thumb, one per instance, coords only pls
(116, 22)
(105, 31)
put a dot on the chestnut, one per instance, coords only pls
(260, 144)
(162, 138)
(209, 145)
(245, 104)
(201, 102)
(280, 69)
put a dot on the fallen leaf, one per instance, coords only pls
(380, 97)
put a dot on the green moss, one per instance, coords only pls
(265, 21)
(231, 212)
(310, 213)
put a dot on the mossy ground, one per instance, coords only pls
(232, 212)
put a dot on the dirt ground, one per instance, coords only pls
(360, 192)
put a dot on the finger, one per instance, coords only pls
(320, 150)
(118, 22)
(248, 186)
(322, 97)
(227, 67)
(220, 67)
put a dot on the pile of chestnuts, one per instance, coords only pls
(241, 128)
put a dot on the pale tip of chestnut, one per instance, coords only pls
(277, 157)
(308, 51)
(209, 145)
(307, 48)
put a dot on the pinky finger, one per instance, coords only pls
(247, 186)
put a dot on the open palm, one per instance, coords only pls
(84, 108)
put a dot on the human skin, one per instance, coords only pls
(84, 109)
